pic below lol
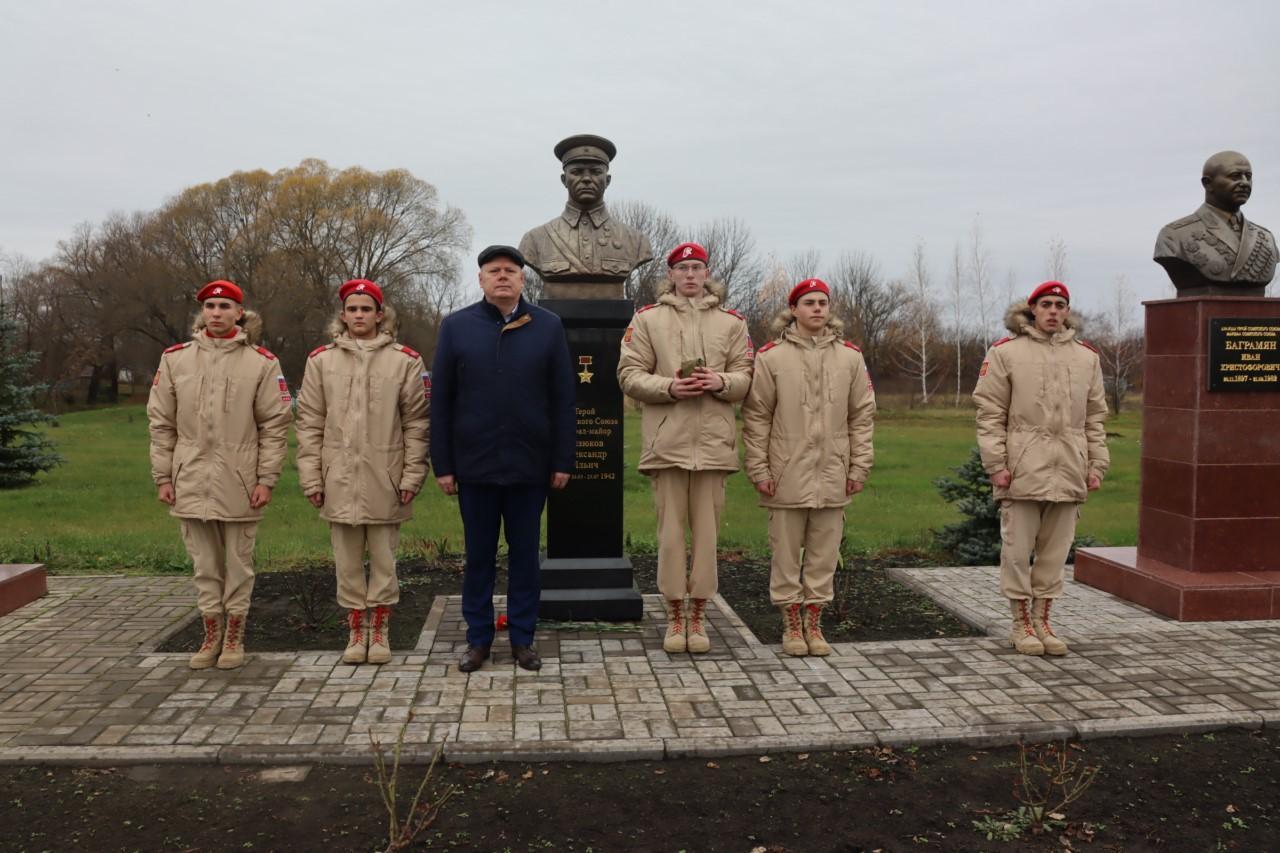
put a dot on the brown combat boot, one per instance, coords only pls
(1044, 631)
(817, 643)
(207, 654)
(698, 641)
(357, 642)
(674, 641)
(233, 643)
(1023, 634)
(379, 634)
(793, 630)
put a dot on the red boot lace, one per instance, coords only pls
(794, 626)
(1044, 620)
(379, 624)
(211, 634)
(676, 623)
(355, 620)
(234, 625)
(1024, 613)
(696, 611)
(814, 615)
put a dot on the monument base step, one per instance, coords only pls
(586, 572)
(591, 605)
(21, 584)
(1178, 593)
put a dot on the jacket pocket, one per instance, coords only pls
(555, 267)
(617, 266)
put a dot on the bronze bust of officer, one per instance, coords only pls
(584, 253)
(1216, 251)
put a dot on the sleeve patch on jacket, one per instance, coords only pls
(751, 347)
(983, 371)
(177, 347)
(426, 384)
(626, 336)
(155, 380)
(265, 353)
(1086, 345)
(409, 351)
(284, 390)
(851, 345)
(870, 386)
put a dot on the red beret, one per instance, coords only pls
(1049, 288)
(686, 252)
(222, 289)
(809, 285)
(361, 285)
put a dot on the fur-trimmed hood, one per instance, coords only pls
(251, 322)
(1019, 320)
(786, 318)
(715, 288)
(389, 325)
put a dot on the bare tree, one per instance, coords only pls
(1119, 342)
(913, 357)
(1056, 260)
(803, 265)
(664, 235)
(733, 259)
(955, 292)
(865, 302)
(980, 279)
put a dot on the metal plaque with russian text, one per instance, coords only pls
(1243, 354)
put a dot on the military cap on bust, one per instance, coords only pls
(585, 146)
(490, 252)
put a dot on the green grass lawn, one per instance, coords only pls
(98, 512)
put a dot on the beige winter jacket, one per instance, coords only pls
(1042, 411)
(698, 434)
(808, 419)
(219, 412)
(362, 429)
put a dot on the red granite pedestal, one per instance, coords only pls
(1209, 510)
(19, 585)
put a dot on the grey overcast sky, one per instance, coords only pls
(828, 126)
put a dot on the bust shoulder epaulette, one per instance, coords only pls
(265, 353)
(647, 307)
(764, 349)
(315, 352)
(177, 347)
(851, 345)
(1002, 341)
(1082, 342)
(734, 312)
(1189, 219)
(409, 351)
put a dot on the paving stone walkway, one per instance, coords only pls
(80, 683)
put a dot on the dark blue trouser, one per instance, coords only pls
(519, 511)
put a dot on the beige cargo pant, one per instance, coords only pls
(222, 552)
(350, 541)
(818, 533)
(1046, 528)
(693, 501)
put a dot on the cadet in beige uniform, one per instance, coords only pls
(688, 360)
(362, 456)
(1041, 415)
(219, 416)
(807, 425)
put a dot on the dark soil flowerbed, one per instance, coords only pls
(1170, 793)
(295, 610)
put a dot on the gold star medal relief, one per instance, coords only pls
(586, 374)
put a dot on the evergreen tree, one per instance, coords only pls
(24, 450)
(974, 541)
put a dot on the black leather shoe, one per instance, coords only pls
(526, 657)
(473, 658)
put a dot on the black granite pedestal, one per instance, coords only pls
(585, 574)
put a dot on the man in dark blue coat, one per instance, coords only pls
(502, 433)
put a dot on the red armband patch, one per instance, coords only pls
(751, 347)
(626, 336)
(409, 351)
(284, 390)
(426, 385)
(851, 345)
